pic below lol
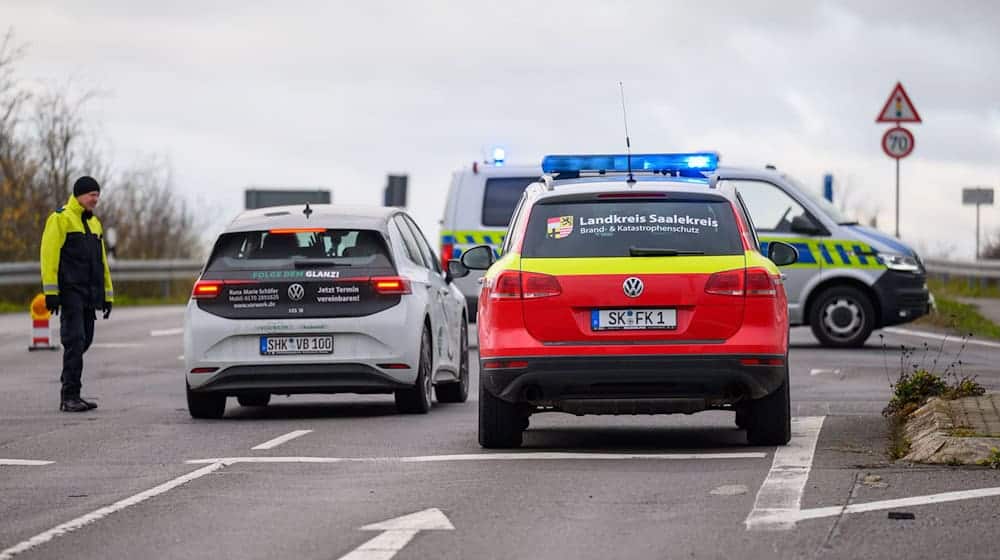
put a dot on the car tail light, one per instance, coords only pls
(394, 366)
(206, 289)
(507, 285)
(728, 283)
(390, 285)
(447, 253)
(759, 283)
(536, 285)
(204, 370)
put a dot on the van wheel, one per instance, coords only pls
(842, 317)
(500, 424)
(418, 400)
(769, 420)
(254, 399)
(457, 392)
(206, 405)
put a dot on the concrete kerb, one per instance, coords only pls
(956, 432)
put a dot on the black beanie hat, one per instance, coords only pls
(85, 185)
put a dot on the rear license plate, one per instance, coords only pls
(276, 345)
(633, 319)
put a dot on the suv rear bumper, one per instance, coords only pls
(633, 384)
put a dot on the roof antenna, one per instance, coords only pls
(308, 211)
(628, 143)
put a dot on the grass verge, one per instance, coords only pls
(960, 317)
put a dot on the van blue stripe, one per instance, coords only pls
(805, 253)
(826, 254)
(843, 254)
(859, 252)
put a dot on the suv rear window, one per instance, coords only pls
(500, 199)
(612, 228)
(263, 250)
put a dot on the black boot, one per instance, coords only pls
(73, 404)
(90, 404)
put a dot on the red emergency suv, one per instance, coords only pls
(638, 292)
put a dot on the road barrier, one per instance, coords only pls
(981, 273)
(25, 273)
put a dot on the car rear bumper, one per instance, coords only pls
(633, 384)
(292, 379)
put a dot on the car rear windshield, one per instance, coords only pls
(616, 228)
(500, 199)
(277, 249)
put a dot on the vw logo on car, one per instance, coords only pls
(296, 292)
(632, 287)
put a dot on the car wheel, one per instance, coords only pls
(769, 419)
(418, 400)
(842, 317)
(458, 392)
(254, 399)
(500, 424)
(205, 405)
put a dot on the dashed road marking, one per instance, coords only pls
(527, 456)
(821, 371)
(781, 494)
(103, 512)
(936, 336)
(272, 443)
(23, 463)
(167, 332)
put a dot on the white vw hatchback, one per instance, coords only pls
(327, 299)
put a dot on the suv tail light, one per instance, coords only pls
(390, 285)
(206, 289)
(728, 283)
(759, 283)
(536, 285)
(507, 285)
(447, 253)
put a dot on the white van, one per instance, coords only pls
(481, 200)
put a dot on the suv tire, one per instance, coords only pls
(457, 392)
(500, 424)
(418, 400)
(842, 317)
(206, 405)
(769, 419)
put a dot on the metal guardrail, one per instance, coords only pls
(24, 273)
(953, 269)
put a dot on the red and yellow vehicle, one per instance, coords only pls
(639, 292)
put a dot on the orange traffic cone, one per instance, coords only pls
(42, 326)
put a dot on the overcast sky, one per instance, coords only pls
(338, 94)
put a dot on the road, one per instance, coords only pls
(139, 477)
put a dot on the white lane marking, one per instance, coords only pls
(116, 345)
(167, 332)
(99, 514)
(272, 443)
(23, 463)
(397, 533)
(729, 490)
(819, 371)
(935, 336)
(483, 457)
(832, 511)
(782, 490)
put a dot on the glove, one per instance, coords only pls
(106, 308)
(52, 303)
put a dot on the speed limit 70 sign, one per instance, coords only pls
(897, 142)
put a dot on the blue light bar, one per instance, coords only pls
(679, 163)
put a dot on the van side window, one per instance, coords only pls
(500, 198)
(773, 210)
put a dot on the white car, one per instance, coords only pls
(324, 299)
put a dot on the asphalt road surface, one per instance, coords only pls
(339, 476)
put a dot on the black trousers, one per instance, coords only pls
(76, 322)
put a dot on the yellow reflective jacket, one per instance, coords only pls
(73, 256)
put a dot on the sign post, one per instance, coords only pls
(898, 142)
(978, 196)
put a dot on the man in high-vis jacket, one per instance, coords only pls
(77, 282)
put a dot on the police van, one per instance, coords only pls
(849, 279)
(481, 200)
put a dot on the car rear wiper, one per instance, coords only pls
(658, 252)
(307, 263)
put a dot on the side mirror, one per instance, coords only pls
(479, 257)
(456, 269)
(781, 253)
(805, 225)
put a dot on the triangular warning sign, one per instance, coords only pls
(898, 108)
